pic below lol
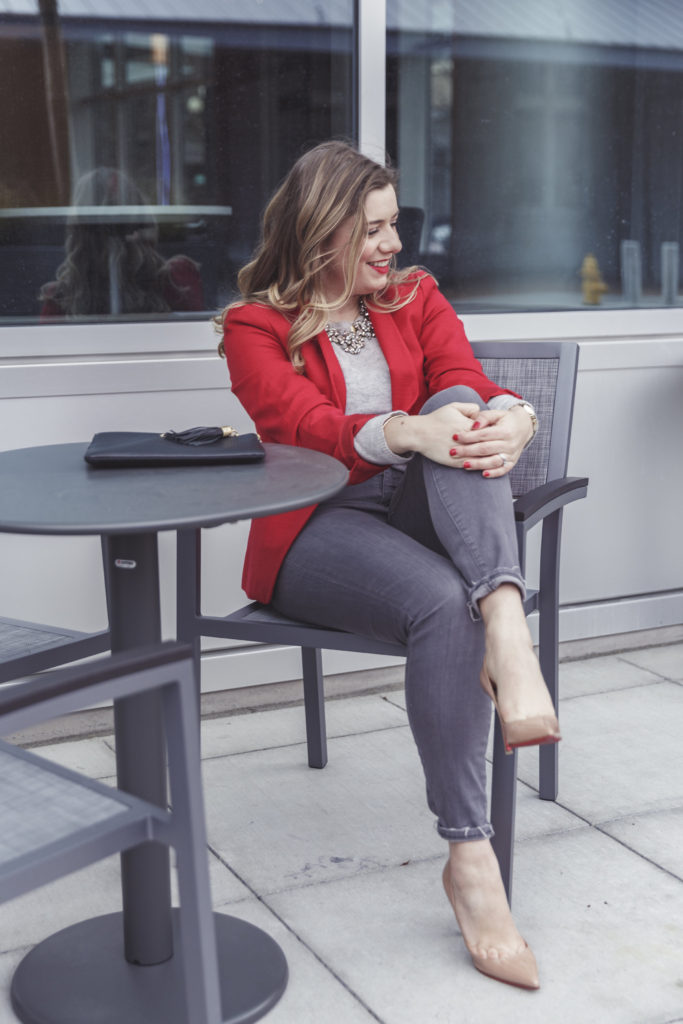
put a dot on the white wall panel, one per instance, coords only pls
(622, 565)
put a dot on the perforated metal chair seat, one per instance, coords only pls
(28, 647)
(41, 805)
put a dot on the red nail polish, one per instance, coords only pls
(455, 437)
(453, 451)
(486, 473)
(466, 465)
(475, 425)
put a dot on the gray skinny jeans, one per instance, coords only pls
(405, 556)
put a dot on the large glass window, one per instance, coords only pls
(138, 151)
(541, 149)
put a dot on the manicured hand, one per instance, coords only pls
(495, 441)
(432, 434)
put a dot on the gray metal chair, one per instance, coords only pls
(54, 821)
(29, 647)
(545, 374)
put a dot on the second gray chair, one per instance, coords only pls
(54, 821)
(29, 647)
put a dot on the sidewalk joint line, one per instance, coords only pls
(295, 934)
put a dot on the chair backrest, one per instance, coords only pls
(544, 373)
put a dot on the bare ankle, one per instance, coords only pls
(474, 854)
(505, 602)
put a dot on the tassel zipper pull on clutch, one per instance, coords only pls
(196, 436)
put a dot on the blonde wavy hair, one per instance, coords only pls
(325, 187)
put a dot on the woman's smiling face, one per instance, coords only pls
(381, 211)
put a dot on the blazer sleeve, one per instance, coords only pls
(287, 407)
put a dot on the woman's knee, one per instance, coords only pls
(443, 601)
(456, 393)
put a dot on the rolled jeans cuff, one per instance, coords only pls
(491, 583)
(466, 834)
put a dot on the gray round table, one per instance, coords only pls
(52, 490)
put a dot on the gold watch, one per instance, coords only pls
(534, 419)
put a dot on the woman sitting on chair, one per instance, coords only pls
(332, 348)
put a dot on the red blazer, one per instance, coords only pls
(427, 351)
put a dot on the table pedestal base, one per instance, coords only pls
(80, 976)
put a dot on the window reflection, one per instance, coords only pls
(113, 264)
(535, 135)
(202, 118)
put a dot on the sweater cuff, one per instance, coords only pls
(503, 402)
(371, 444)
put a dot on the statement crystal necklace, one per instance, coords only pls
(353, 339)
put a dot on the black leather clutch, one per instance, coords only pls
(130, 448)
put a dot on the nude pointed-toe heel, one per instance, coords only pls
(518, 969)
(523, 732)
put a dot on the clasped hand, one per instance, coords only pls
(462, 435)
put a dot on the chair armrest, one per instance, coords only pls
(540, 502)
(34, 690)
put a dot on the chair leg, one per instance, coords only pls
(197, 928)
(548, 772)
(503, 807)
(314, 701)
(548, 644)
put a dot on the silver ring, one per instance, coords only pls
(505, 461)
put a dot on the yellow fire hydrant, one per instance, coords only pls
(592, 284)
